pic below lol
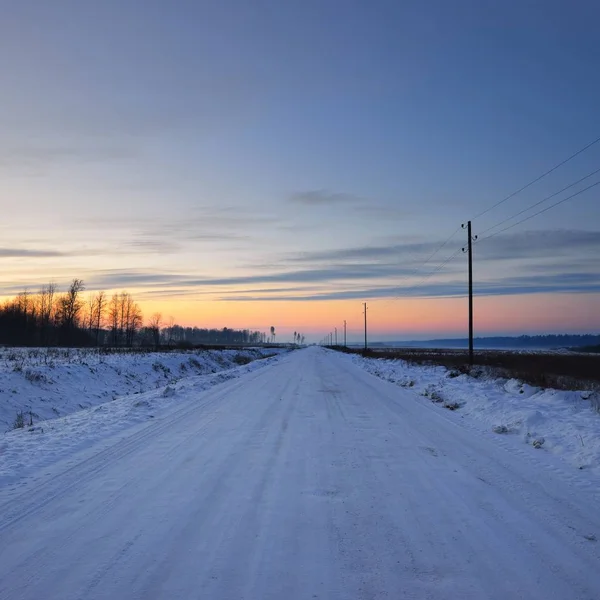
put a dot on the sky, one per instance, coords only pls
(248, 164)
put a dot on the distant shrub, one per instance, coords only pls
(241, 359)
(452, 405)
(35, 376)
(433, 394)
(194, 362)
(158, 366)
(19, 421)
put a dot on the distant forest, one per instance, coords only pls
(523, 341)
(51, 318)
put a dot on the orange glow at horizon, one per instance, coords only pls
(408, 318)
(404, 318)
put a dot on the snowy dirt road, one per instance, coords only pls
(306, 479)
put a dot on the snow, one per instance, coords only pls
(46, 383)
(305, 478)
(561, 422)
(143, 385)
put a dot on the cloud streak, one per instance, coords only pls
(566, 283)
(323, 198)
(26, 253)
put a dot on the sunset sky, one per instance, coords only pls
(254, 163)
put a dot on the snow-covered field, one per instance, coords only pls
(78, 397)
(565, 423)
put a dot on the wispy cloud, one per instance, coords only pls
(549, 244)
(534, 244)
(561, 283)
(37, 159)
(221, 225)
(323, 198)
(25, 253)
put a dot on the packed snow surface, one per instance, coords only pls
(565, 423)
(307, 478)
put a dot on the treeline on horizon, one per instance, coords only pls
(522, 341)
(52, 318)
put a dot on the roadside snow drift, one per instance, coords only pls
(46, 383)
(121, 391)
(562, 422)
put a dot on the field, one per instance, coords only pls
(548, 369)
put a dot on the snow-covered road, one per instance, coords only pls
(306, 479)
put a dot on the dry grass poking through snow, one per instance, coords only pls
(557, 370)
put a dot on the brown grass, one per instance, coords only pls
(565, 371)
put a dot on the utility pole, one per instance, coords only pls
(365, 313)
(344, 333)
(336, 336)
(469, 251)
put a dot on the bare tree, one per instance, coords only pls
(272, 334)
(100, 304)
(170, 331)
(154, 327)
(134, 322)
(113, 319)
(89, 313)
(46, 310)
(69, 308)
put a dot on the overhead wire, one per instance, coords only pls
(430, 274)
(421, 265)
(539, 212)
(500, 202)
(521, 189)
(540, 202)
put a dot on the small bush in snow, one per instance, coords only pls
(35, 376)
(538, 442)
(452, 405)
(158, 366)
(194, 362)
(433, 394)
(595, 401)
(500, 429)
(240, 359)
(19, 420)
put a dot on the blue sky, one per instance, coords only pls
(297, 151)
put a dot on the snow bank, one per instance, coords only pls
(45, 383)
(24, 452)
(562, 422)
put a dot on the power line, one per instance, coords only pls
(513, 194)
(417, 269)
(540, 202)
(502, 201)
(438, 249)
(432, 273)
(589, 187)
